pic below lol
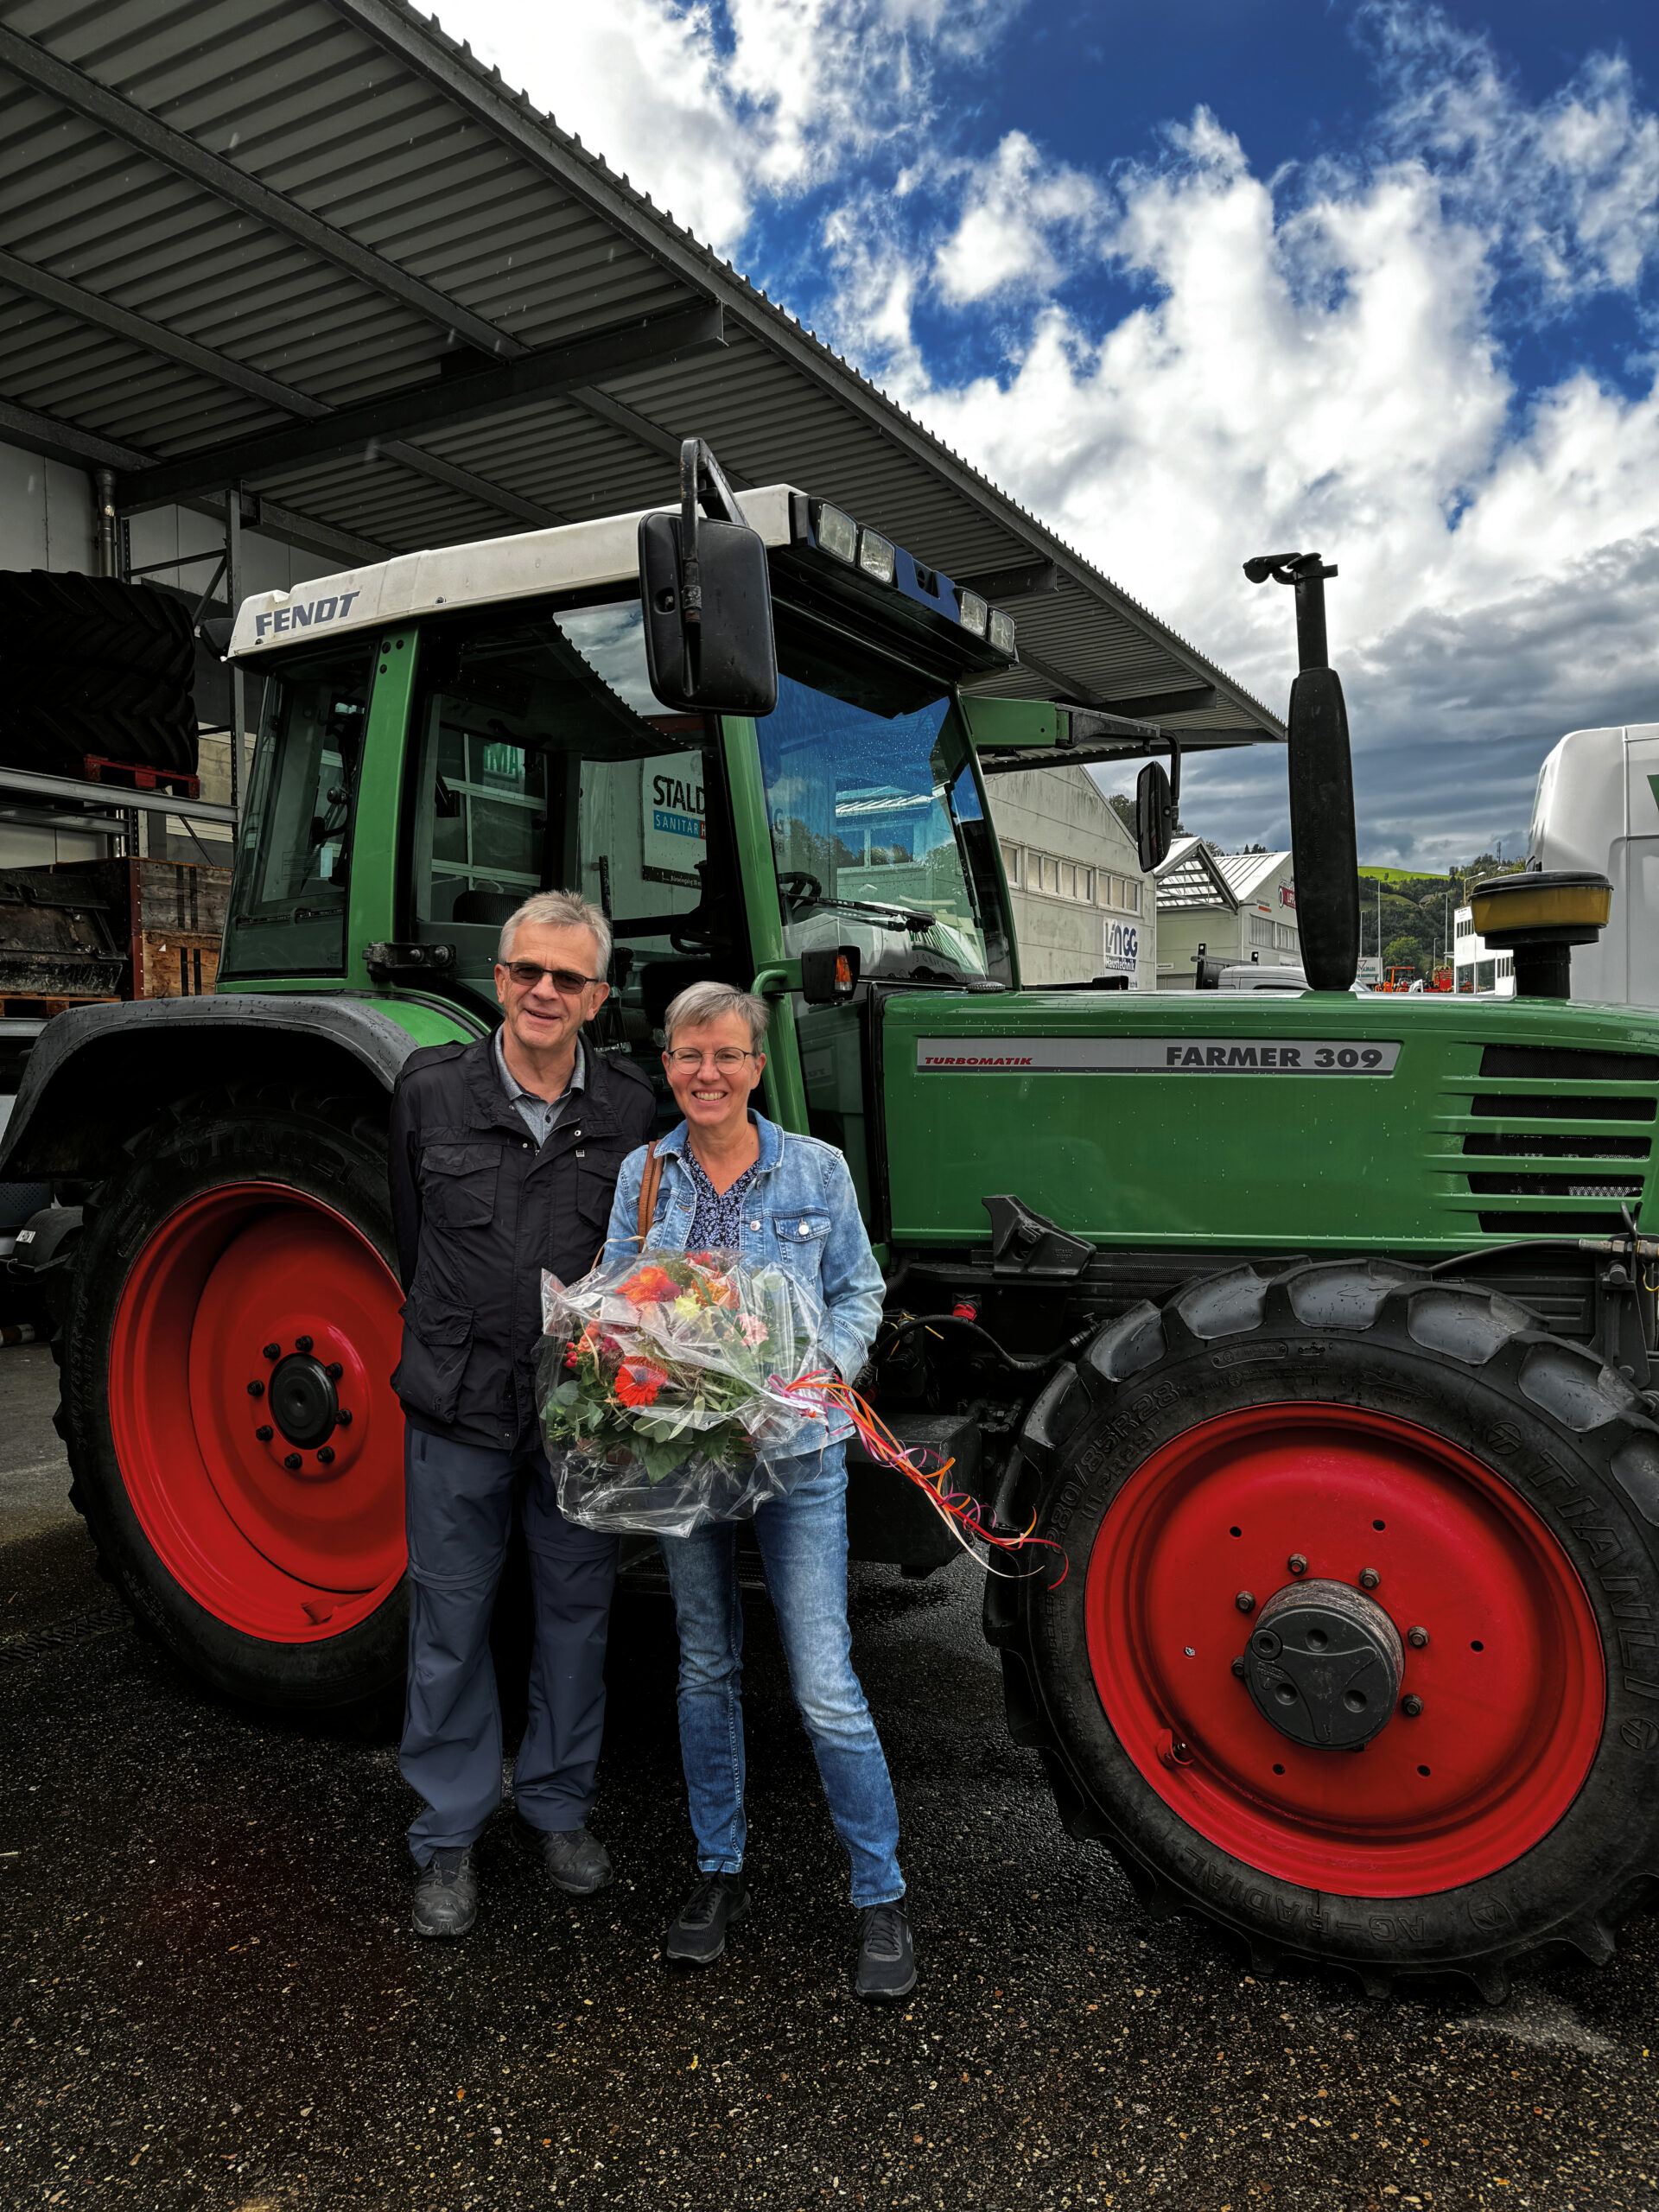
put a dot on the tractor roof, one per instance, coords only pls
(576, 557)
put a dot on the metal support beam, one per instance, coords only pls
(548, 374)
(184, 156)
(645, 432)
(110, 800)
(234, 574)
(1017, 580)
(168, 345)
(1152, 705)
(59, 441)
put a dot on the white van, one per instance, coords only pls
(1597, 807)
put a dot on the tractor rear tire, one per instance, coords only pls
(1265, 1443)
(227, 1351)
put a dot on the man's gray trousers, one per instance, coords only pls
(460, 1503)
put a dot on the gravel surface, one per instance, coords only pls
(215, 2001)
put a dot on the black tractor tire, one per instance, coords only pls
(297, 1160)
(91, 666)
(1466, 1389)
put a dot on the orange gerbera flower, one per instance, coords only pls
(651, 1287)
(637, 1382)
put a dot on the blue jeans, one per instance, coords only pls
(459, 1506)
(803, 1540)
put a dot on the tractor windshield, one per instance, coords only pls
(878, 831)
(541, 759)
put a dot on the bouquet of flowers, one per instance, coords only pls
(671, 1389)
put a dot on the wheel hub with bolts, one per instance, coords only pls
(1323, 1665)
(302, 1400)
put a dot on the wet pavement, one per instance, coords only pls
(212, 1999)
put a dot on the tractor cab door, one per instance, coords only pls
(879, 841)
(540, 759)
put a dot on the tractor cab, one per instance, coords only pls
(438, 743)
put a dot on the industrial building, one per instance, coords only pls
(1082, 907)
(1225, 909)
(1473, 967)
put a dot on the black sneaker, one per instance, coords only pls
(576, 1863)
(445, 1896)
(697, 1935)
(887, 1955)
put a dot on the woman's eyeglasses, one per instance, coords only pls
(526, 974)
(727, 1060)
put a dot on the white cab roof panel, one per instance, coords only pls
(575, 558)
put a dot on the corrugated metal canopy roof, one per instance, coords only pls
(319, 251)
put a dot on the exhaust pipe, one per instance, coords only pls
(1321, 775)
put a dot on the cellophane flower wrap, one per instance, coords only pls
(662, 1389)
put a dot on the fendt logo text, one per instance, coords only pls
(334, 608)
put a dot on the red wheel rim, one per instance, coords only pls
(1512, 1679)
(292, 1555)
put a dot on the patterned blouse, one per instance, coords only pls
(716, 1225)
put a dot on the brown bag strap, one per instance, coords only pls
(650, 1184)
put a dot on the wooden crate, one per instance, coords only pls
(175, 965)
(84, 930)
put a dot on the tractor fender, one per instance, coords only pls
(97, 1072)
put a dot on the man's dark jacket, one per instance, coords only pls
(478, 1212)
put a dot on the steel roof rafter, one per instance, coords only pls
(553, 372)
(181, 156)
(392, 27)
(154, 338)
(184, 156)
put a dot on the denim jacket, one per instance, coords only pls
(802, 1210)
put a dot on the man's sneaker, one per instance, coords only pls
(445, 1896)
(697, 1935)
(576, 1863)
(886, 1956)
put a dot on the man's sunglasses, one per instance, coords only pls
(526, 974)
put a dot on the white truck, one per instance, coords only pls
(1597, 806)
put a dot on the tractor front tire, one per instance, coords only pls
(1346, 1642)
(226, 1351)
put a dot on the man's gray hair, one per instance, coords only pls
(703, 1002)
(558, 910)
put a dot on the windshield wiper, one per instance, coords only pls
(911, 918)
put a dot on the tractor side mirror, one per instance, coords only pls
(830, 975)
(1154, 816)
(707, 597)
(1321, 779)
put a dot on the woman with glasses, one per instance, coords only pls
(729, 1179)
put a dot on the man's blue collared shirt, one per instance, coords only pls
(541, 1116)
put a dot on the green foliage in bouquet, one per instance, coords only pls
(671, 1358)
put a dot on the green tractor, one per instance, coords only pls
(1311, 1334)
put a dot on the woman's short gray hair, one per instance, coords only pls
(558, 910)
(702, 1003)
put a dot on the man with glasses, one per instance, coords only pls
(504, 1155)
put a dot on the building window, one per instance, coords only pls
(1485, 974)
(1465, 926)
(1011, 862)
(1287, 939)
(1131, 894)
(1261, 929)
(1506, 964)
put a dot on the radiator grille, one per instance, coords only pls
(1537, 1161)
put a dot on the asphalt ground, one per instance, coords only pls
(212, 1999)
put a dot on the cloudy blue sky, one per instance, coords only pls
(1204, 279)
